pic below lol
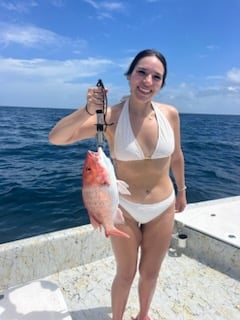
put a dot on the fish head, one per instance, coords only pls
(94, 171)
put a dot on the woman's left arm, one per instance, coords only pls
(177, 164)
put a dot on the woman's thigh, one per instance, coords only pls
(156, 237)
(126, 249)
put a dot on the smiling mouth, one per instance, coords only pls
(144, 91)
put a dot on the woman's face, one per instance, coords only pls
(147, 78)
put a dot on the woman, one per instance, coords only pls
(144, 143)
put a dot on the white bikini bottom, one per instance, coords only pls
(144, 213)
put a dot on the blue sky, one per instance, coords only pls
(51, 51)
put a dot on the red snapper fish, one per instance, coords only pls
(100, 191)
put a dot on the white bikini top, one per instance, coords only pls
(126, 146)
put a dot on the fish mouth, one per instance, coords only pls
(95, 156)
(91, 152)
(92, 155)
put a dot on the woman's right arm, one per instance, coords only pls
(78, 125)
(81, 124)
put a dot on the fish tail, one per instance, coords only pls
(116, 232)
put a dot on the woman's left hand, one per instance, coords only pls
(181, 202)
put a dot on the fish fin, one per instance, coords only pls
(123, 187)
(116, 232)
(95, 223)
(119, 219)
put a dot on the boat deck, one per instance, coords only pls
(199, 280)
(219, 219)
(186, 290)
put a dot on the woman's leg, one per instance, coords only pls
(156, 237)
(126, 255)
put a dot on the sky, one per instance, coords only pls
(52, 51)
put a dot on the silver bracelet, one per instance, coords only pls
(182, 189)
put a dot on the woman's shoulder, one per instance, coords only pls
(168, 110)
(115, 109)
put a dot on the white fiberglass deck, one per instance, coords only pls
(79, 261)
(186, 290)
(37, 300)
(219, 219)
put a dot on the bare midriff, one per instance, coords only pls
(148, 180)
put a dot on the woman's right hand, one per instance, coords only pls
(95, 99)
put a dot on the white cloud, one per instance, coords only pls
(215, 98)
(107, 5)
(92, 3)
(105, 9)
(28, 36)
(212, 47)
(57, 3)
(53, 70)
(56, 83)
(40, 82)
(112, 6)
(34, 37)
(233, 75)
(18, 6)
(233, 89)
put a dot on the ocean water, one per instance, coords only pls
(40, 184)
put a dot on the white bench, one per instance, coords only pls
(37, 300)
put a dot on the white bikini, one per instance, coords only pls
(126, 148)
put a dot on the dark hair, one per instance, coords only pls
(148, 53)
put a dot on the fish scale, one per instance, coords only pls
(100, 193)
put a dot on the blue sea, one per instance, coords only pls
(40, 184)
